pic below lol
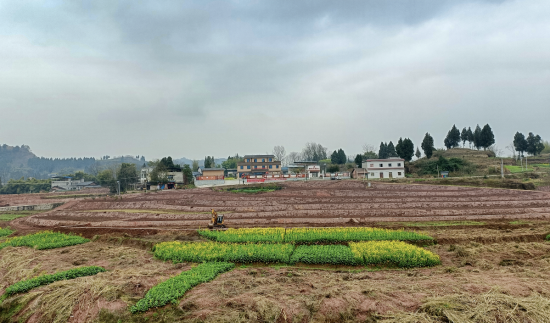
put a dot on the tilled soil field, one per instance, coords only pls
(330, 203)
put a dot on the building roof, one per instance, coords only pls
(212, 169)
(387, 159)
(259, 156)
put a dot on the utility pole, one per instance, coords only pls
(118, 183)
(502, 168)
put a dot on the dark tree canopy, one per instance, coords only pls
(477, 138)
(487, 137)
(520, 144)
(453, 138)
(405, 149)
(383, 151)
(470, 137)
(418, 154)
(534, 144)
(209, 162)
(359, 160)
(428, 145)
(391, 150)
(464, 136)
(338, 157)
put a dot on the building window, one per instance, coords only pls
(248, 160)
(263, 160)
(381, 165)
(276, 166)
(372, 174)
(247, 167)
(270, 166)
(255, 160)
(389, 165)
(371, 165)
(399, 164)
(398, 173)
(241, 167)
(270, 159)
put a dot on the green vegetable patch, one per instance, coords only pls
(26, 285)
(5, 232)
(44, 240)
(172, 289)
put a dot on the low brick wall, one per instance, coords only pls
(38, 207)
(209, 182)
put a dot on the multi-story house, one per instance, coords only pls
(259, 165)
(393, 167)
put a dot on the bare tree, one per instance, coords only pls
(512, 149)
(314, 152)
(292, 157)
(368, 148)
(279, 152)
(497, 151)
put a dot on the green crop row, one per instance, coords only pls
(5, 232)
(311, 235)
(26, 285)
(44, 240)
(231, 252)
(395, 253)
(172, 289)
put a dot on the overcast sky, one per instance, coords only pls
(198, 78)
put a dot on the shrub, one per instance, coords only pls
(44, 240)
(5, 232)
(330, 254)
(231, 252)
(172, 289)
(311, 235)
(548, 237)
(396, 253)
(26, 285)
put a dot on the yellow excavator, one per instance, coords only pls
(216, 223)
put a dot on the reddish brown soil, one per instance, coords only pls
(298, 204)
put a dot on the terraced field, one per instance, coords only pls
(313, 203)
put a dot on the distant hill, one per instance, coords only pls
(19, 161)
(188, 161)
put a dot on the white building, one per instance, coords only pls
(393, 167)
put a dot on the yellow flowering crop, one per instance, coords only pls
(311, 235)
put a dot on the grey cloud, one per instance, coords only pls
(289, 70)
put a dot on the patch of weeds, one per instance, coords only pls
(548, 237)
(450, 269)
(519, 222)
(164, 315)
(460, 251)
(510, 262)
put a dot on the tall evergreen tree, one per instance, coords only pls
(470, 137)
(382, 152)
(464, 136)
(418, 154)
(453, 138)
(342, 158)
(487, 137)
(407, 149)
(359, 160)
(391, 150)
(534, 144)
(334, 158)
(520, 144)
(428, 145)
(399, 148)
(477, 138)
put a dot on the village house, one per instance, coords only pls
(393, 167)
